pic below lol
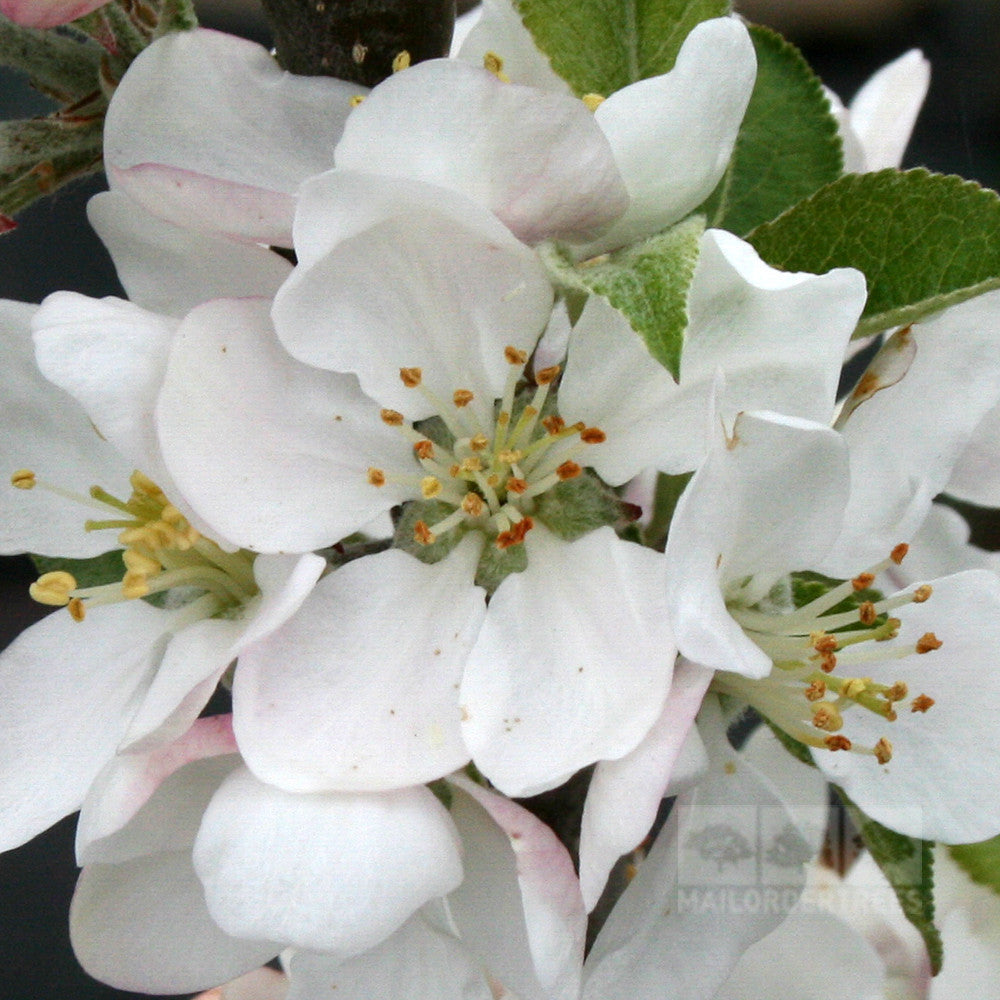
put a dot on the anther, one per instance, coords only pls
(922, 593)
(553, 424)
(837, 742)
(921, 703)
(493, 63)
(828, 663)
(462, 397)
(400, 61)
(136, 562)
(472, 464)
(516, 535)
(357, 100)
(867, 613)
(514, 356)
(898, 554)
(510, 455)
(516, 485)
(424, 449)
(592, 101)
(854, 686)
(430, 487)
(883, 751)
(358, 52)
(568, 470)
(816, 691)
(548, 375)
(826, 716)
(23, 479)
(863, 581)
(376, 477)
(134, 585)
(479, 443)
(76, 609)
(593, 435)
(411, 377)
(824, 643)
(897, 692)
(472, 504)
(422, 534)
(928, 642)
(392, 417)
(53, 588)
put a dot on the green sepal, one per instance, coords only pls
(63, 67)
(600, 46)
(430, 512)
(94, 572)
(980, 861)
(908, 864)
(795, 747)
(647, 282)
(668, 492)
(924, 241)
(574, 507)
(495, 565)
(443, 792)
(788, 145)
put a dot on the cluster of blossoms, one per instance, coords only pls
(370, 450)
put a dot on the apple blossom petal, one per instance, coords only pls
(418, 962)
(501, 31)
(359, 692)
(939, 783)
(170, 270)
(143, 926)
(573, 661)
(199, 654)
(519, 907)
(333, 872)
(779, 337)
(536, 160)
(899, 463)
(976, 475)
(139, 784)
(455, 288)
(854, 155)
(206, 131)
(885, 109)
(47, 431)
(790, 960)
(625, 794)
(673, 135)
(110, 355)
(767, 500)
(272, 454)
(47, 13)
(664, 937)
(67, 691)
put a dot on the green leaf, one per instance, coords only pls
(908, 864)
(981, 861)
(924, 241)
(106, 568)
(647, 282)
(788, 146)
(600, 46)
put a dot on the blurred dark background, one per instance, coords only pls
(52, 248)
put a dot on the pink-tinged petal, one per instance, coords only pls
(333, 872)
(131, 780)
(625, 794)
(885, 109)
(67, 691)
(573, 661)
(272, 454)
(536, 160)
(899, 463)
(683, 923)
(939, 784)
(198, 655)
(47, 13)
(672, 135)
(206, 131)
(170, 270)
(110, 355)
(519, 907)
(47, 431)
(143, 926)
(788, 962)
(501, 31)
(768, 500)
(261, 984)
(418, 962)
(359, 692)
(455, 288)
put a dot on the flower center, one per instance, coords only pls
(820, 655)
(489, 477)
(162, 552)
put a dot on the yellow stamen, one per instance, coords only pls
(53, 588)
(411, 377)
(592, 101)
(23, 479)
(401, 61)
